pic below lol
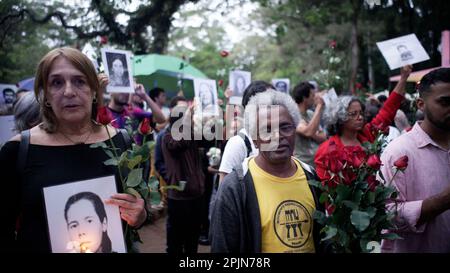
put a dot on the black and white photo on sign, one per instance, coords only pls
(206, 94)
(281, 85)
(402, 51)
(78, 219)
(7, 94)
(239, 80)
(117, 64)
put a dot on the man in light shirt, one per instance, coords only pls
(423, 204)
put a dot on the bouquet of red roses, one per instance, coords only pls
(354, 199)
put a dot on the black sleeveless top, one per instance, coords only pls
(23, 202)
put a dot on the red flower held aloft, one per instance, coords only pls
(401, 163)
(372, 182)
(104, 117)
(144, 127)
(224, 53)
(374, 162)
(358, 85)
(103, 40)
(220, 82)
(332, 44)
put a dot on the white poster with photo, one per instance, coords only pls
(206, 94)
(330, 97)
(402, 51)
(117, 64)
(239, 80)
(281, 85)
(78, 219)
(6, 128)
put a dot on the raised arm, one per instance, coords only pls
(158, 115)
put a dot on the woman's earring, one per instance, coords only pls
(95, 98)
(47, 104)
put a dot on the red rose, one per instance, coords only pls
(349, 176)
(329, 208)
(144, 127)
(374, 162)
(220, 82)
(334, 159)
(372, 182)
(355, 156)
(103, 40)
(224, 53)
(104, 117)
(358, 85)
(401, 163)
(332, 44)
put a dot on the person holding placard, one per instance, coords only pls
(57, 151)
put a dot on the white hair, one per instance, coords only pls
(269, 97)
(336, 113)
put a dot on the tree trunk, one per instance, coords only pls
(354, 47)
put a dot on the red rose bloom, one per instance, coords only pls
(355, 156)
(349, 176)
(358, 85)
(329, 208)
(104, 117)
(374, 162)
(220, 82)
(224, 53)
(103, 40)
(333, 44)
(372, 182)
(401, 163)
(144, 127)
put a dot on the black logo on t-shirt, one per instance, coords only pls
(292, 223)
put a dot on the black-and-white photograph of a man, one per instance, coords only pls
(79, 220)
(118, 68)
(206, 93)
(281, 85)
(405, 53)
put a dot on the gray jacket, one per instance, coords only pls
(236, 224)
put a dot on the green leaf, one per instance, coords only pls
(371, 211)
(111, 161)
(134, 161)
(133, 192)
(360, 219)
(343, 193)
(331, 232)
(134, 178)
(370, 197)
(98, 144)
(110, 154)
(323, 197)
(357, 196)
(390, 236)
(320, 217)
(155, 198)
(153, 183)
(351, 205)
(315, 183)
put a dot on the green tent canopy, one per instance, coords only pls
(154, 70)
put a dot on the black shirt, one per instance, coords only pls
(22, 201)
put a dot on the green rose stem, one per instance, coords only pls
(115, 154)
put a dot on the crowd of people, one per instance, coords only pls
(256, 198)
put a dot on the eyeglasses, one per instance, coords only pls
(285, 130)
(355, 114)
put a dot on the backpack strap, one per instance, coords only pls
(247, 143)
(23, 150)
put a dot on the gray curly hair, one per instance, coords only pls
(269, 98)
(335, 114)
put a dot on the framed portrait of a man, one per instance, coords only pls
(117, 64)
(402, 51)
(78, 219)
(206, 93)
(281, 85)
(239, 80)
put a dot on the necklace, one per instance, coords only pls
(77, 142)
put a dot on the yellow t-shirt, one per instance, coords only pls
(286, 206)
